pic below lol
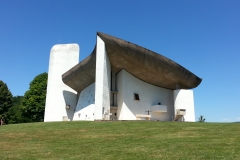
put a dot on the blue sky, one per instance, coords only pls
(202, 36)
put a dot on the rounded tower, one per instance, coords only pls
(61, 100)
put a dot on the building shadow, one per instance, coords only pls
(70, 99)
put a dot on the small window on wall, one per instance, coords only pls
(136, 97)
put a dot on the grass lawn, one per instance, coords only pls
(120, 140)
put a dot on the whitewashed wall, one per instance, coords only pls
(102, 82)
(183, 99)
(149, 95)
(85, 106)
(62, 58)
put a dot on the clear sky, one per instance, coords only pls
(201, 35)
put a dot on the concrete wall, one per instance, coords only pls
(183, 99)
(102, 82)
(86, 102)
(122, 108)
(149, 95)
(62, 58)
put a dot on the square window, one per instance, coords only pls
(136, 97)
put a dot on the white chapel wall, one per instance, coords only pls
(120, 103)
(183, 99)
(62, 58)
(149, 95)
(86, 102)
(102, 82)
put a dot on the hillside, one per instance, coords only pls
(120, 140)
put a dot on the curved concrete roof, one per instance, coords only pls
(142, 63)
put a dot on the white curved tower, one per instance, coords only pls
(184, 105)
(61, 100)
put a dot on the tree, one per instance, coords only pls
(5, 99)
(201, 119)
(14, 113)
(33, 101)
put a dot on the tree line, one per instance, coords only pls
(27, 108)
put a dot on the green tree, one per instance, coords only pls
(14, 113)
(33, 102)
(5, 99)
(201, 119)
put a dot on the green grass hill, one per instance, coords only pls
(104, 140)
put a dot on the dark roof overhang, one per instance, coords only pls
(142, 63)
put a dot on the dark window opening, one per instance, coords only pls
(136, 97)
(115, 114)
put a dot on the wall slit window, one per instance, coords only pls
(136, 97)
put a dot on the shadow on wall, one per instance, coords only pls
(119, 110)
(70, 99)
(86, 97)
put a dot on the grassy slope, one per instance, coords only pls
(120, 140)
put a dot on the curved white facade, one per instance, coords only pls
(183, 99)
(62, 58)
(149, 97)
